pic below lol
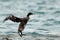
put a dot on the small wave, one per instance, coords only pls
(57, 22)
(51, 8)
(43, 29)
(57, 12)
(5, 0)
(4, 14)
(55, 34)
(2, 28)
(51, 20)
(43, 35)
(46, 35)
(47, 24)
(10, 32)
(34, 20)
(40, 12)
(41, 3)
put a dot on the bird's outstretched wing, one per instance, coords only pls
(13, 18)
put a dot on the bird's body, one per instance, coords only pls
(22, 25)
(23, 21)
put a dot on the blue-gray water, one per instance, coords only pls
(45, 21)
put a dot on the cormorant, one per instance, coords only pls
(23, 21)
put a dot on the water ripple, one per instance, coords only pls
(41, 3)
(51, 20)
(57, 12)
(57, 22)
(43, 29)
(47, 24)
(5, 0)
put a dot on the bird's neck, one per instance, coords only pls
(28, 15)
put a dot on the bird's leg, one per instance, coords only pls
(19, 33)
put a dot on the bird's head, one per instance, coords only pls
(29, 14)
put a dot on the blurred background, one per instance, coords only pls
(45, 21)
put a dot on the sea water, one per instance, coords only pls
(45, 21)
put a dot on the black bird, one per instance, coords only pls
(23, 21)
